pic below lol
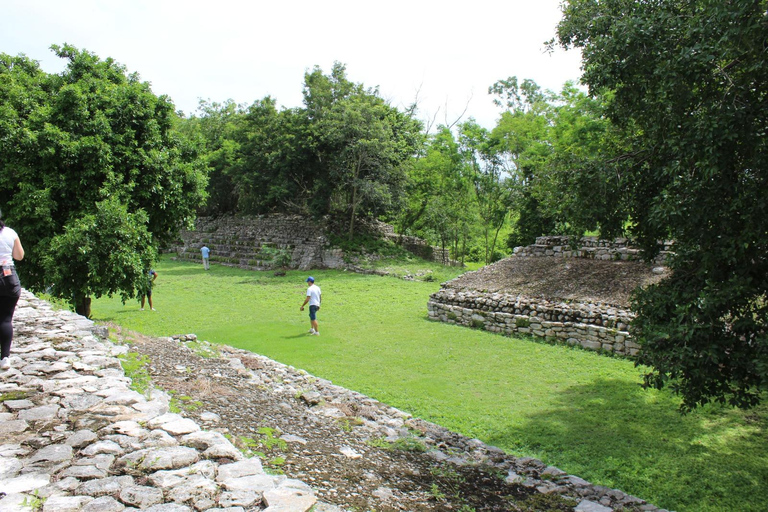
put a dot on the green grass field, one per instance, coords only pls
(574, 409)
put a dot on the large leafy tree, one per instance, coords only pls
(92, 174)
(580, 185)
(689, 78)
(359, 147)
(490, 178)
(214, 128)
(440, 195)
(523, 136)
(274, 171)
(345, 153)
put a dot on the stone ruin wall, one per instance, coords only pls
(593, 326)
(589, 247)
(418, 246)
(254, 242)
(257, 242)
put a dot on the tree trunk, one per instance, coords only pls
(83, 306)
(352, 218)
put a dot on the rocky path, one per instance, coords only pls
(248, 434)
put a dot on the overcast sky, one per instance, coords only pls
(447, 52)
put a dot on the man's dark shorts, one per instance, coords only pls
(313, 312)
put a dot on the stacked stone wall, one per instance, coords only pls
(261, 242)
(602, 327)
(591, 326)
(270, 241)
(588, 247)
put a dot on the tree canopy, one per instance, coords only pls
(343, 154)
(687, 81)
(92, 173)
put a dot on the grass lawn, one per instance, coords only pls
(574, 409)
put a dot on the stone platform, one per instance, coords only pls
(75, 437)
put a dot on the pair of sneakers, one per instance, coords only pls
(313, 332)
(5, 363)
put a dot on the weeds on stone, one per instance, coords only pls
(13, 395)
(379, 442)
(406, 444)
(251, 447)
(445, 471)
(271, 441)
(183, 403)
(203, 349)
(35, 502)
(449, 478)
(135, 367)
(346, 423)
(436, 493)
(409, 444)
(273, 466)
(246, 445)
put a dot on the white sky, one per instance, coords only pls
(448, 51)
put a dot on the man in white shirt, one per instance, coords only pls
(313, 297)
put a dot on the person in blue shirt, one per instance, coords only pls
(206, 252)
(148, 295)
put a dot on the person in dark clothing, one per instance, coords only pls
(10, 289)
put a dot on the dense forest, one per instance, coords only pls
(349, 155)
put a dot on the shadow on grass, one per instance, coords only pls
(615, 434)
(295, 336)
(183, 270)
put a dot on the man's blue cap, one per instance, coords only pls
(310, 279)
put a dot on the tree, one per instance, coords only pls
(523, 137)
(215, 127)
(88, 150)
(440, 195)
(490, 180)
(360, 144)
(111, 246)
(689, 81)
(344, 154)
(580, 187)
(275, 171)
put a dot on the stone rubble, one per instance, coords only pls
(75, 437)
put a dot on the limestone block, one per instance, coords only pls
(239, 469)
(24, 483)
(109, 447)
(593, 345)
(141, 496)
(103, 504)
(66, 503)
(53, 453)
(105, 486)
(160, 458)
